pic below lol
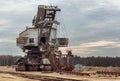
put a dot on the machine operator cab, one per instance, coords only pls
(30, 37)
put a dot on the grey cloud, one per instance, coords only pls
(10, 48)
(85, 20)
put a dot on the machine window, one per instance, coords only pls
(31, 40)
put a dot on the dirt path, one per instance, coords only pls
(37, 77)
(9, 77)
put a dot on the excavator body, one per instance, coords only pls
(40, 43)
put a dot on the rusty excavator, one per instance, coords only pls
(40, 44)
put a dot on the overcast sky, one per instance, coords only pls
(93, 26)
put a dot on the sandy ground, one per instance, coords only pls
(78, 77)
(9, 77)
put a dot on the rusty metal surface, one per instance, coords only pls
(22, 40)
(109, 74)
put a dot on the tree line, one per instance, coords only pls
(8, 60)
(97, 61)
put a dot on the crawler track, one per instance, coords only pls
(78, 73)
(104, 73)
(38, 77)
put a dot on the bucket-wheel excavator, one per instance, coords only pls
(40, 43)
